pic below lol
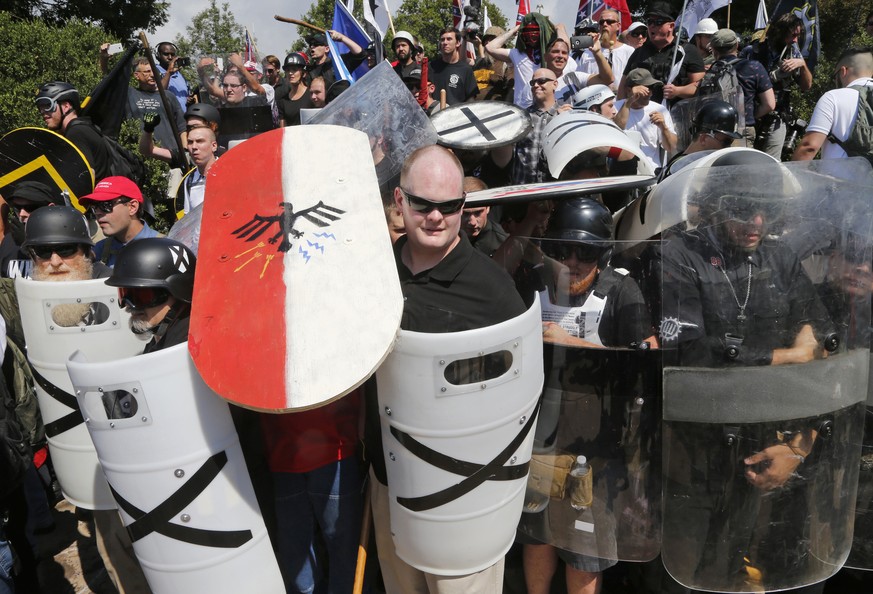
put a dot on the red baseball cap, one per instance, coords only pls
(110, 188)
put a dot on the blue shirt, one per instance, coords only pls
(116, 245)
(178, 87)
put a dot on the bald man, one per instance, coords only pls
(529, 165)
(447, 287)
(835, 113)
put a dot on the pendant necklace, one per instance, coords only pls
(741, 317)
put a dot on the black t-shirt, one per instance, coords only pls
(140, 103)
(457, 79)
(289, 109)
(465, 291)
(659, 63)
(86, 138)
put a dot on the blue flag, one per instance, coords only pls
(807, 11)
(345, 23)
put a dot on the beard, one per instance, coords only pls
(141, 328)
(581, 286)
(77, 270)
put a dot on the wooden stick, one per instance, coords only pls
(300, 23)
(442, 99)
(366, 524)
(390, 20)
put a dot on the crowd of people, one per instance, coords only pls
(723, 289)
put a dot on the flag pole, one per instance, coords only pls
(678, 37)
(729, 16)
(390, 20)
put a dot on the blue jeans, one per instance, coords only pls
(328, 497)
(7, 585)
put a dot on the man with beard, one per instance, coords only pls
(403, 45)
(155, 280)
(116, 204)
(57, 239)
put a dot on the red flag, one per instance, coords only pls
(523, 9)
(592, 9)
(457, 13)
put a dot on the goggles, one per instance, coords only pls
(46, 105)
(425, 207)
(141, 297)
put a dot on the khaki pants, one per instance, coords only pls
(402, 578)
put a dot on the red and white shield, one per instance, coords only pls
(296, 297)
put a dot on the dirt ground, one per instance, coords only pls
(69, 561)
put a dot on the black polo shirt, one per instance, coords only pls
(465, 291)
(659, 63)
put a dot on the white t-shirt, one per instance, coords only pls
(568, 84)
(524, 68)
(638, 121)
(835, 113)
(620, 56)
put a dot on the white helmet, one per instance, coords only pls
(588, 97)
(707, 27)
(405, 36)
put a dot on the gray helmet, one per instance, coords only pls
(407, 37)
(53, 92)
(203, 111)
(55, 225)
(156, 262)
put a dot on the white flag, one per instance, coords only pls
(695, 11)
(486, 22)
(762, 19)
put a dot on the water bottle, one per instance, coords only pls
(582, 492)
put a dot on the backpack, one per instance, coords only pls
(721, 79)
(124, 162)
(859, 143)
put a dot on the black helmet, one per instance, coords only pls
(716, 116)
(156, 262)
(55, 225)
(583, 220)
(204, 111)
(294, 59)
(55, 91)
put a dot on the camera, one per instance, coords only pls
(471, 14)
(183, 62)
(581, 42)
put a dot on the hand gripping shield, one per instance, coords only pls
(173, 459)
(59, 319)
(457, 413)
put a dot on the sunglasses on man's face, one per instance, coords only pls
(107, 206)
(638, 33)
(607, 22)
(141, 297)
(582, 252)
(44, 252)
(541, 81)
(657, 22)
(425, 207)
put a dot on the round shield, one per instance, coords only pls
(764, 385)
(37, 154)
(481, 125)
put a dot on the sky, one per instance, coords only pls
(274, 37)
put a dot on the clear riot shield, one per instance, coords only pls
(457, 412)
(764, 384)
(174, 462)
(601, 400)
(861, 556)
(683, 113)
(380, 105)
(59, 318)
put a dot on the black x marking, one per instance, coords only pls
(158, 520)
(478, 123)
(69, 420)
(476, 473)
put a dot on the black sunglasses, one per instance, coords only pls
(607, 22)
(141, 297)
(638, 33)
(657, 22)
(107, 206)
(425, 206)
(44, 252)
(582, 252)
(541, 81)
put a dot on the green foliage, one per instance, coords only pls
(213, 31)
(33, 53)
(120, 18)
(425, 19)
